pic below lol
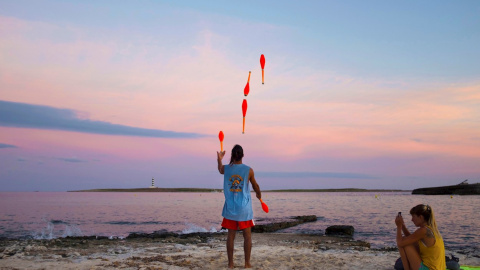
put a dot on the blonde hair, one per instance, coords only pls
(427, 212)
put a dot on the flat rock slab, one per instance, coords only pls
(340, 230)
(273, 225)
(261, 226)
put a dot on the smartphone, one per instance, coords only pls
(400, 213)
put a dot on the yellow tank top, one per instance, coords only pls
(433, 257)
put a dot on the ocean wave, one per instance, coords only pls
(135, 223)
(193, 228)
(50, 231)
(55, 221)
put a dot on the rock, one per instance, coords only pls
(92, 237)
(340, 230)
(275, 225)
(52, 257)
(73, 254)
(156, 234)
(178, 246)
(19, 255)
(193, 238)
(10, 251)
(30, 248)
(304, 219)
(388, 249)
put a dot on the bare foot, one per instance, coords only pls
(248, 265)
(230, 266)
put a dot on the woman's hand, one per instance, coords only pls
(399, 221)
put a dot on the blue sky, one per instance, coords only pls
(368, 94)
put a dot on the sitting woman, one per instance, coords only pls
(423, 249)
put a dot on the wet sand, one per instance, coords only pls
(270, 251)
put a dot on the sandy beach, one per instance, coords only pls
(200, 251)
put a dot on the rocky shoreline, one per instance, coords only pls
(199, 251)
(184, 251)
(206, 250)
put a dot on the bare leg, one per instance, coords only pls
(410, 257)
(247, 246)
(403, 256)
(230, 246)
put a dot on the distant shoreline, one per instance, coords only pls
(221, 190)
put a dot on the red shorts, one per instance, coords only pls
(237, 225)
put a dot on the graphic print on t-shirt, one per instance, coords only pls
(236, 183)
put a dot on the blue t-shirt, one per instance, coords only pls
(236, 188)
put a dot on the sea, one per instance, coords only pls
(49, 215)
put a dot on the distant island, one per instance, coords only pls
(221, 190)
(151, 190)
(339, 190)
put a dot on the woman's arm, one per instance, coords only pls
(405, 230)
(412, 238)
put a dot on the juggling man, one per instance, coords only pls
(237, 211)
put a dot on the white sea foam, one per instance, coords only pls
(46, 232)
(51, 232)
(193, 228)
(72, 230)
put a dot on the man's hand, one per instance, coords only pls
(220, 155)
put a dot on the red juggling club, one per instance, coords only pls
(220, 137)
(264, 206)
(244, 110)
(246, 90)
(262, 64)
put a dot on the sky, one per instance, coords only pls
(357, 94)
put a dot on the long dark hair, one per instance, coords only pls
(237, 154)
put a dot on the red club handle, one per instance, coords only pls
(243, 130)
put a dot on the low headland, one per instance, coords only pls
(464, 188)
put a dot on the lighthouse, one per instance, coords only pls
(153, 183)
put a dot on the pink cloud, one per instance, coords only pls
(299, 113)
